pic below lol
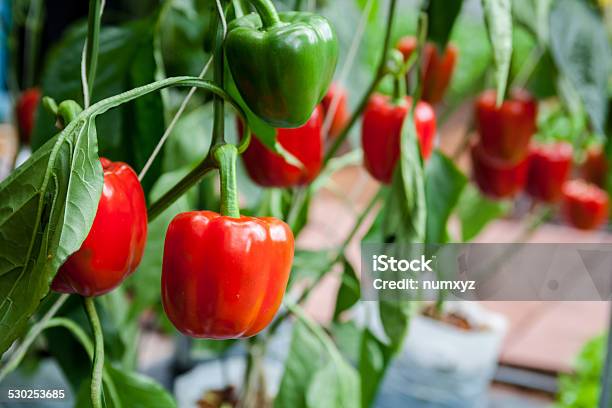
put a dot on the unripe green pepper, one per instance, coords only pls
(282, 63)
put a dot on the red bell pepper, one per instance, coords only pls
(26, 110)
(224, 277)
(115, 244)
(584, 205)
(505, 132)
(497, 178)
(549, 168)
(595, 166)
(341, 115)
(269, 169)
(381, 130)
(437, 70)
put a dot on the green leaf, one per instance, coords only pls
(305, 359)
(476, 211)
(361, 4)
(373, 362)
(310, 265)
(441, 16)
(125, 60)
(347, 337)
(335, 385)
(580, 48)
(498, 18)
(444, 183)
(350, 290)
(395, 317)
(133, 390)
(47, 207)
(405, 209)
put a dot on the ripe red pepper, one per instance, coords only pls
(505, 132)
(26, 109)
(497, 178)
(382, 126)
(115, 244)
(595, 167)
(584, 205)
(224, 277)
(549, 168)
(269, 169)
(341, 115)
(437, 69)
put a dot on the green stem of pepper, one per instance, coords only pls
(218, 103)
(267, 12)
(98, 360)
(380, 73)
(399, 89)
(92, 48)
(226, 156)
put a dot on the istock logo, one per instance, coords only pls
(383, 263)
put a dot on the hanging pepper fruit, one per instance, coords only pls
(505, 131)
(282, 63)
(549, 168)
(341, 115)
(224, 276)
(115, 244)
(496, 178)
(381, 131)
(584, 205)
(305, 143)
(437, 69)
(595, 166)
(26, 110)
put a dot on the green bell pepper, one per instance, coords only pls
(281, 63)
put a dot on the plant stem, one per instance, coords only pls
(33, 333)
(218, 103)
(92, 48)
(33, 24)
(225, 157)
(298, 5)
(380, 73)
(98, 358)
(181, 187)
(267, 12)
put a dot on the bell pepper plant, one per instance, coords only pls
(115, 244)
(437, 69)
(549, 168)
(585, 206)
(383, 119)
(26, 109)
(505, 131)
(305, 143)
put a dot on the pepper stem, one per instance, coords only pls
(399, 89)
(267, 12)
(226, 156)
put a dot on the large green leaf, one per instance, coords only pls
(441, 16)
(350, 290)
(335, 385)
(47, 207)
(498, 17)
(405, 208)
(580, 48)
(476, 211)
(305, 359)
(444, 183)
(126, 60)
(373, 362)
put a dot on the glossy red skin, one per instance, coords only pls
(584, 205)
(437, 68)
(495, 178)
(595, 167)
(549, 169)
(505, 132)
(269, 169)
(341, 115)
(224, 277)
(26, 109)
(115, 244)
(381, 131)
